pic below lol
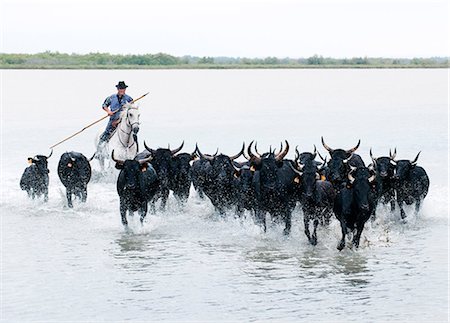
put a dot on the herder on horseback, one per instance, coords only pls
(113, 103)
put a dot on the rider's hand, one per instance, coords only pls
(110, 113)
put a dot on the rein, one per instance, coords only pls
(129, 125)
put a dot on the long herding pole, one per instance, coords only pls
(93, 123)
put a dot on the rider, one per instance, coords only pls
(111, 105)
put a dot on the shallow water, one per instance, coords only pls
(189, 264)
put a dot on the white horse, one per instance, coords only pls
(123, 140)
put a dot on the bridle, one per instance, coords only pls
(127, 133)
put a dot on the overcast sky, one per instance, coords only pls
(240, 28)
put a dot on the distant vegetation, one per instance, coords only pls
(56, 60)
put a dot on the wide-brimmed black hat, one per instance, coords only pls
(121, 85)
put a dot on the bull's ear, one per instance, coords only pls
(119, 166)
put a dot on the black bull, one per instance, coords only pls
(35, 179)
(135, 186)
(215, 178)
(273, 183)
(74, 171)
(173, 173)
(360, 194)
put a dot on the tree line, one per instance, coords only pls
(50, 59)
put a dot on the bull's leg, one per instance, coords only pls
(123, 214)
(69, 197)
(392, 205)
(417, 206)
(314, 236)
(261, 219)
(357, 236)
(287, 220)
(306, 224)
(164, 197)
(143, 212)
(341, 244)
(84, 194)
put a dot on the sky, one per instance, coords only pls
(237, 28)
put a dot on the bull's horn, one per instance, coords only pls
(250, 154)
(90, 159)
(151, 151)
(173, 152)
(116, 160)
(256, 150)
(414, 162)
(354, 148)
(210, 158)
(314, 152)
(345, 161)
(217, 151)
(392, 156)
(372, 178)
(323, 159)
(51, 153)
(282, 154)
(297, 154)
(371, 156)
(238, 154)
(281, 148)
(326, 146)
(295, 170)
(145, 160)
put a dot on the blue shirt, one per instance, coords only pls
(115, 104)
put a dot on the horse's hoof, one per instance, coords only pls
(341, 245)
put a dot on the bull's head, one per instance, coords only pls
(384, 166)
(403, 167)
(40, 161)
(338, 165)
(361, 179)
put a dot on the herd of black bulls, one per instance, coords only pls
(265, 183)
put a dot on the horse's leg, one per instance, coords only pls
(69, 197)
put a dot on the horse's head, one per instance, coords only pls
(130, 115)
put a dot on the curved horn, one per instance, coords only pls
(90, 159)
(372, 178)
(217, 151)
(326, 146)
(251, 155)
(295, 170)
(415, 159)
(281, 148)
(116, 160)
(350, 177)
(256, 150)
(148, 148)
(297, 154)
(345, 161)
(323, 159)
(392, 156)
(371, 156)
(51, 153)
(173, 152)
(145, 160)
(354, 148)
(239, 154)
(210, 158)
(314, 152)
(282, 154)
